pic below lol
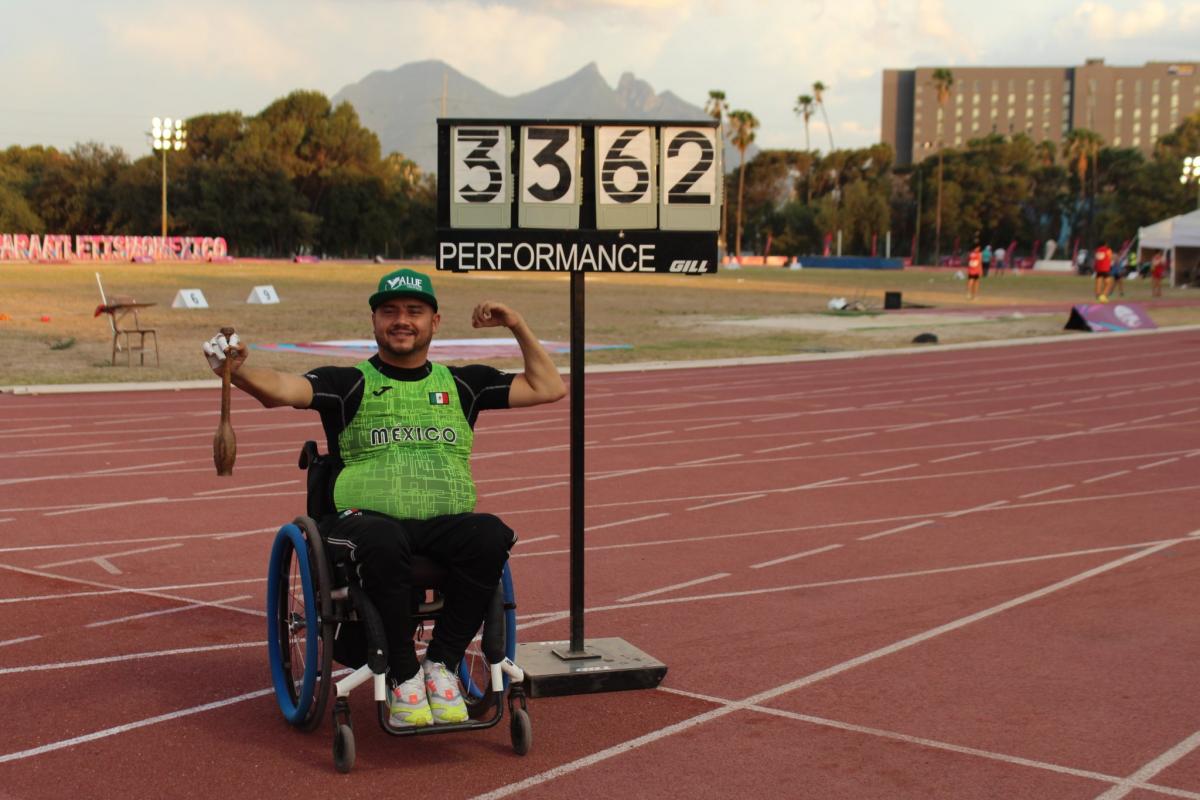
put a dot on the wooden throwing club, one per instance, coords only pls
(224, 442)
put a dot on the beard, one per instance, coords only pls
(417, 344)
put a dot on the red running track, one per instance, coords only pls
(963, 573)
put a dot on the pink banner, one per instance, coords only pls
(66, 247)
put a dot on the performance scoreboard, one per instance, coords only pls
(578, 196)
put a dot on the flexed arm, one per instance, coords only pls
(270, 387)
(540, 381)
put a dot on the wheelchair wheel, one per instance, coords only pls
(299, 633)
(521, 731)
(473, 670)
(343, 748)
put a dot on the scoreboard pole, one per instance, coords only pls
(491, 219)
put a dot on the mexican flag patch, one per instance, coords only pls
(439, 398)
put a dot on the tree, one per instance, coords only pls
(742, 125)
(1079, 148)
(943, 82)
(717, 107)
(819, 90)
(804, 109)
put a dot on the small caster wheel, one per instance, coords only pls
(343, 748)
(521, 731)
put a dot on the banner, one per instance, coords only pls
(67, 247)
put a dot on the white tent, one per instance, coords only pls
(1179, 236)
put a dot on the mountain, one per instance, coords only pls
(402, 105)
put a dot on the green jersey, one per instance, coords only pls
(407, 450)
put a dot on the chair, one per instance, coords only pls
(126, 325)
(317, 615)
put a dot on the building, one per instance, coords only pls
(1127, 106)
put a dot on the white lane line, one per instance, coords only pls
(851, 436)
(1181, 411)
(783, 447)
(1014, 444)
(100, 542)
(1087, 399)
(239, 488)
(537, 539)
(814, 485)
(710, 459)
(1152, 768)
(794, 556)
(929, 743)
(888, 469)
(1047, 405)
(714, 425)
(107, 556)
(927, 397)
(10, 431)
(955, 457)
(625, 521)
(911, 427)
(1158, 463)
(741, 499)
(22, 639)
(1041, 492)
(890, 531)
(673, 587)
(1110, 475)
(884, 404)
(117, 729)
(38, 598)
(534, 488)
(147, 592)
(92, 662)
(161, 612)
(7, 519)
(669, 730)
(105, 506)
(983, 507)
(640, 435)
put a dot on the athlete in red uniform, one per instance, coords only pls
(1104, 259)
(974, 271)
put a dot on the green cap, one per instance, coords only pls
(404, 283)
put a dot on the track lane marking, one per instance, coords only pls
(890, 531)
(629, 598)
(795, 556)
(1152, 768)
(741, 499)
(1051, 490)
(1109, 476)
(106, 556)
(145, 615)
(625, 521)
(807, 680)
(888, 469)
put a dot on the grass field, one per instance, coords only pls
(663, 317)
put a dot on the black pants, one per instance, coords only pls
(471, 547)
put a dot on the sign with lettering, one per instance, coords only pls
(65, 247)
(189, 298)
(263, 294)
(579, 196)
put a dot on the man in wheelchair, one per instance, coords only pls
(401, 428)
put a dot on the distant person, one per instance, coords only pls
(1116, 278)
(1081, 258)
(1158, 268)
(1103, 269)
(998, 257)
(987, 259)
(974, 272)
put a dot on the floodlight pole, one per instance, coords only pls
(164, 192)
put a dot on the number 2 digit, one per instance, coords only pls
(681, 191)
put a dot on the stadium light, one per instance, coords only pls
(167, 135)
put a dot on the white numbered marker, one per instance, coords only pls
(689, 158)
(549, 164)
(480, 164)
(626, 175)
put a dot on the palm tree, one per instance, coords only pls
(1081, 145)
(742, 125)
(804, 109)
(819, 90)
(943, 82)
(717, 107)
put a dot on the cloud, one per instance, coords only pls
(210, 39)
(1103, 23)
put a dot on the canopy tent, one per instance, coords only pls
(1179, 236)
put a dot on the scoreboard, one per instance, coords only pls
(579, 195)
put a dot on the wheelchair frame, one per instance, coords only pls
(307, 608)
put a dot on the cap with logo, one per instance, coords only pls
(404, 283)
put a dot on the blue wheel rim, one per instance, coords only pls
(291, 538)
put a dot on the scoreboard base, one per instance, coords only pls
(607, 665)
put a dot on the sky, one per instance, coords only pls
(93, 70)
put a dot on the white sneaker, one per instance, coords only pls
(409, 704)
(445, 697)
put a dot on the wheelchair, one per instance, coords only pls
(317, 615)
